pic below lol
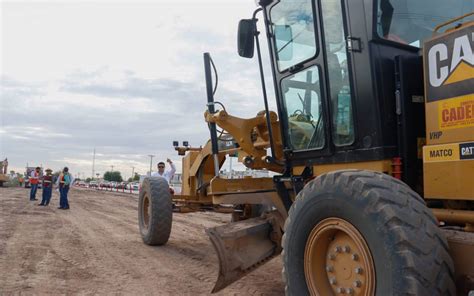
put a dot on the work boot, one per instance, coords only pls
(60, 208)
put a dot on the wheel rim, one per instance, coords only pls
(338, 260)
(146, 211)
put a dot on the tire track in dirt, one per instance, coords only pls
(96, 248)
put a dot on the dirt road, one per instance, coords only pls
(95, 248)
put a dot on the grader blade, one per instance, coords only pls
(241, 247)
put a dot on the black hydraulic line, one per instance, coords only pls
(275, 85)
(210, 106)
(264, 90)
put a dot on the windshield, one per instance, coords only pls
(412, 22)
(293, 29)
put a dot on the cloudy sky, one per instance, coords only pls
(123, 77)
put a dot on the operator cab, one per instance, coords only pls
(339, 68)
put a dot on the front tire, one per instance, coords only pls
(364, 233)
(155, 211)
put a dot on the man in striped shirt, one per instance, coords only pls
(47, 188)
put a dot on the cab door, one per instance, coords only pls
(311, 67)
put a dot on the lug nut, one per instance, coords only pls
(329, 268)
(332, 281)
(349, 291)
(340, 290)
(337, 249)
(355, 257)
(358, 270)
(357, 284)
(332, 256)
(346, 249)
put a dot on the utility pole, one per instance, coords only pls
(112, 167)
(151, 163)
(93, 165)
(133, 172)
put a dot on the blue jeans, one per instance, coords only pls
(63, 203)
(34, 187)
(47, 191)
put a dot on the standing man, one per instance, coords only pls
(47, 188)
(34, 180)
(64, 182)
(168, 175)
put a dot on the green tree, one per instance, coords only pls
(113, 176)
(88, 180)
(136, 177)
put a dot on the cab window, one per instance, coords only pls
(412, 22)
(293, 30)
(338, 73)
(302, 102)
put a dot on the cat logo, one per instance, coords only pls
(449, 64)
(445, 70)
(466, 150)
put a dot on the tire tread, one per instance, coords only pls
(420, 243)
(159, 228)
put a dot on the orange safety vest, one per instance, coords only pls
(34, 180)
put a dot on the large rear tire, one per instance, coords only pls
(155, 211)
(364, 233)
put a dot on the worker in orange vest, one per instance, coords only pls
(34, 180)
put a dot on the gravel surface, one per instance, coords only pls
(95, 248)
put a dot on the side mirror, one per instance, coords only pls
(284, 42)
(245, 38)
(175, 143)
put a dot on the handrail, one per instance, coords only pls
(451, 21)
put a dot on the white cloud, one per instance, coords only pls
(126, 78)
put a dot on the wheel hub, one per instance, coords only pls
(338, 260)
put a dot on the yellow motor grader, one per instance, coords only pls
(372, 146)
(3, 174)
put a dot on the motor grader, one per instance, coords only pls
(372, 146)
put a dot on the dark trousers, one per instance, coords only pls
(63, 203)
(34, 187)
(47, 191)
